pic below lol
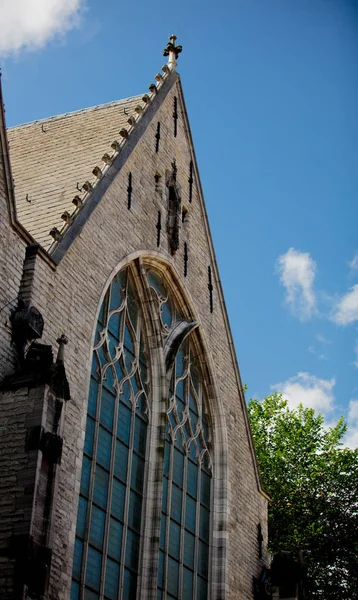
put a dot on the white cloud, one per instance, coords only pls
(309, 390)
(351, 437)
(30, 24)
(297, 272)
(355, 362)
(353, 264)
(346, 309)
(322, 339)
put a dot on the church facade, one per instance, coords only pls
(127, 466)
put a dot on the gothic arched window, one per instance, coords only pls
(110, 505)
(109, 535)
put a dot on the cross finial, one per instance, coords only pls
(172, 51)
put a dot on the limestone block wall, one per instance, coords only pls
(69, 298)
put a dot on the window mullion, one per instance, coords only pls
(197, 529)
(167, 520)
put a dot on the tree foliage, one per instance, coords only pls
(313, 483)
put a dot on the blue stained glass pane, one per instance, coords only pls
(104, 448)
(173, 576)
(98, 519)
(178, 467)
(193, 450)
(117, 286)
(193, 420)
(161, 569)
(201, 589)
(115, 538)
(119, 370)
(89, 595)
(126, 393)
(159, 595)
(101, 355)
(192, 478)
(112, 579)
(75, 590)
(118, 497)
(205, 489)
(137, 476)
(93, 568)
(204, 523)
(124, 423)
(86, 475)
(107, 409)
(132, 550)
(92, 397)
(179, 363)
(90, 427)
(179, 392)
(113, 325)
(140, 436)
(172, 420)
(203, 559)
(77, 558)
(192, 404)
(189, 545)
(174, 540)
(135, 510)
(113, 346)
(121, 461)
(163, 523)
(129, 585)
(128, 360)
(95, 367)
(100, 488)
(190, 514)
(165, 495)
(128, 340)
(188, 580)
(108, 380)
(81, 517)
(167, 313)
(175, 511)
(166, 457)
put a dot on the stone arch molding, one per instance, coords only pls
(160, 365)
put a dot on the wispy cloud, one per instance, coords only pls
(29, 25)
(309, 390)
(297, 273)
(351, 437)
(353, 264)
(346, 309)
(322, 339)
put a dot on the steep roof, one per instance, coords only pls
(50, 157)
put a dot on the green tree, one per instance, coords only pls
(313, 483)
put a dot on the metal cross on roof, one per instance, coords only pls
(172, 51)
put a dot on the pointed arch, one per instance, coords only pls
(156, 331)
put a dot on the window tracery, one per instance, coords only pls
(108, 536)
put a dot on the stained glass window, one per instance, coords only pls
(109, 514)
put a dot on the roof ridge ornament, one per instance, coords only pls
(172, 51)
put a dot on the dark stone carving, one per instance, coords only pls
(211, 289)
(191, 181)
(260, 539)
(51, 446)
(174, 210)
(185, 259)
(159, 227)
(129, 191)
(33, 562)
(157, 138)
(27, 325)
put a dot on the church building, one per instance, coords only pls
(127, 467)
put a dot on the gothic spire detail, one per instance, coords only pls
(172, 51)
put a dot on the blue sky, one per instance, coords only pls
(272, 93)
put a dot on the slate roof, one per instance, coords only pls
(49, 157)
